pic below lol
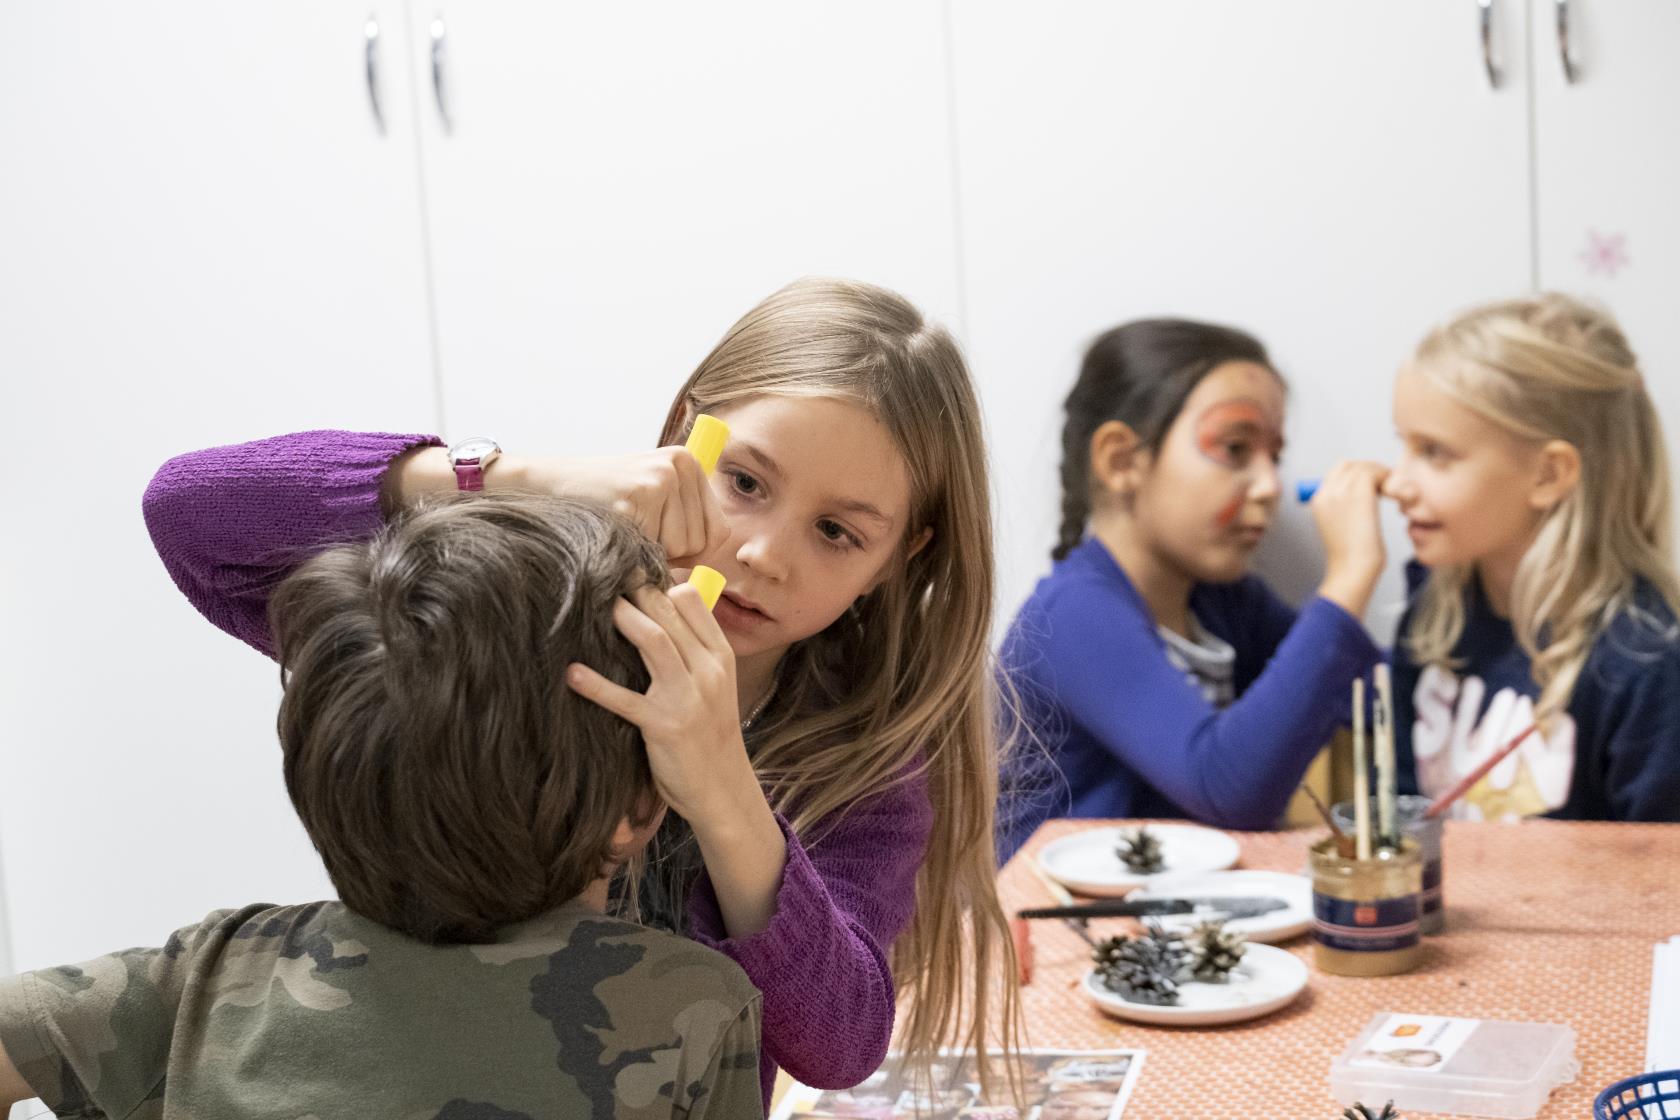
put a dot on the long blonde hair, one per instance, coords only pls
(1550, 367)
(900, 688)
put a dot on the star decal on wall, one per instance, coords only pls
(1605, 254)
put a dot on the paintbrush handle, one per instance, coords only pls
(1441, 803)
(1361, 776)
(1057, 891)
(1323, 811)
(1382, 744)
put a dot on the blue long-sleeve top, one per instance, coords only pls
(1612, 754)
(1124, 731)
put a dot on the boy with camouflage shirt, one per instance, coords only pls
(470, 811)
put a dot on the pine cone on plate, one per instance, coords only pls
(1214, 951)
(1142, 969)
(1140, 851)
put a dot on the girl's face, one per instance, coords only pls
(818, 501)
(1208, 496)
(1463, 482)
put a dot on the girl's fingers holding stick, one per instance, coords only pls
(692, 608)
(659, 653)
(660, 607)
(702, 505)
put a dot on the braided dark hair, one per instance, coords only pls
(1140, 373)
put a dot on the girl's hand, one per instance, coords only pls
(1345, 510)
(688, 716)
(665, 492)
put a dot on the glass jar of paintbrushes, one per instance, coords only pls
(1368, 887)
(1421, 819)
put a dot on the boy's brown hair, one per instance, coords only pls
(451, 781)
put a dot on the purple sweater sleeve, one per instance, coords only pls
(230, 522)
(822, 962)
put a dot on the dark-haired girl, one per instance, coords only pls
(1163, 679)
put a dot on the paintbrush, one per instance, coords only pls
(1361, 777)
(1443, 802)
(1063, 898)
(1344, 842)
(1020, 929)
(1388, 780)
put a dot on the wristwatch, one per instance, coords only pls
(469, 458)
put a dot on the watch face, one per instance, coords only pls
(473, 447)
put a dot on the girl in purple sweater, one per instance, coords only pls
(836, 841)
(1162, 678)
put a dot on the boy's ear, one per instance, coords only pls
(637, 827)
(1117, 459)
(1558, 474)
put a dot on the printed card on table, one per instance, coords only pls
(1058, 1085)
(1420, 1042)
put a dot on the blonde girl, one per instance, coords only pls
(1535, 485)
(825, 737)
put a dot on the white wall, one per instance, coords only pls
(206, 239)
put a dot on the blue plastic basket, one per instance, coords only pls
(1650, 1096)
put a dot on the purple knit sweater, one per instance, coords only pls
(230, 522)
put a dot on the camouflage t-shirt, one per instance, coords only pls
(314, 1012)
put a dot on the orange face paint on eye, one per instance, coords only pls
(1231, 431)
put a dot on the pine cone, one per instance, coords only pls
(1361, 1112)
(1140, 852)
(1142, 969)
(1215, 951)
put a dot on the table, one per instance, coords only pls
(1547, 921)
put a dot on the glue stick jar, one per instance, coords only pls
(1365, 912)
(1427, 833)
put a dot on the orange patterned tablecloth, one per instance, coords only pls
(1547, 921)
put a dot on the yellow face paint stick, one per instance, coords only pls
(709, 582)
(706, 441)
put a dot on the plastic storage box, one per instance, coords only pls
(1471, 1067)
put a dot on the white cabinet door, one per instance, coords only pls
(619, 183)
(1334, 177)
(204, 238)
(1607, 153)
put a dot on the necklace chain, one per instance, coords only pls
(758, 708)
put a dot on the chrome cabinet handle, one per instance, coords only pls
(1566, 53)
(1494, 75)
(438, 84)
(370, 58)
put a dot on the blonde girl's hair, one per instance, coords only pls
(1548, 367)
(900, 688)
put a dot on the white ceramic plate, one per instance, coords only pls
(1279, 925)
(1268, 978)
(1086, 861)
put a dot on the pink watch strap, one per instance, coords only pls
(469, 474)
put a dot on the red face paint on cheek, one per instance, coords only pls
(1228, 512)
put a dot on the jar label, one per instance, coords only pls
(1372, 926)
(1432, 886)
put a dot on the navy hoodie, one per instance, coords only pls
(1613, 755)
